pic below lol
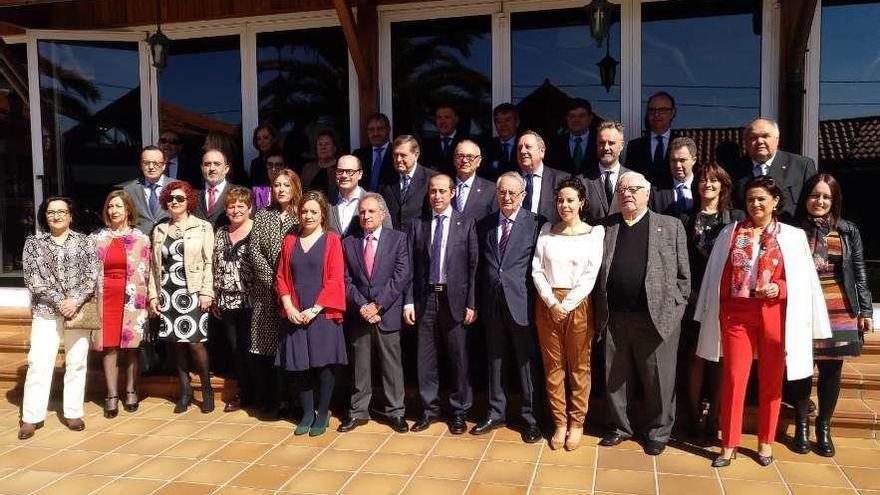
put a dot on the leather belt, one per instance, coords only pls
(437, 287)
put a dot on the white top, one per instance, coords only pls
(567, 262)
(347, 208)
(666, 135)
(146, 186)
(463, 190)
(219, 188)
(536, 187)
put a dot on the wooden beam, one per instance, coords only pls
(368, 91)
(346, 19)
(796, 20)
(10, 29)
(10, 70)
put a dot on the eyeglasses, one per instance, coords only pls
(175, 142)
(346, 172)
(216, 164)
(176, 198)
(630, 189)
(152, 163)
(660, 110)
(503, 193)
(57, 213)
(467, 158)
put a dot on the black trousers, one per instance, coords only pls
(236, 326)
(364, 340)
(438, 330)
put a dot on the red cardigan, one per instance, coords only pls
(332, 296)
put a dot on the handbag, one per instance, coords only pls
(86, 317)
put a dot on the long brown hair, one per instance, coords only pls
(713, 171)
(295, 189)
(836, 198)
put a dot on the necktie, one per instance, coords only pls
(369, 254)
(505, 148)
(404, 186)
(459, 196)
(212, 197)
(375, 170)
(658, 153)
(609, 187)
(446, 141)
(577, 157)
(681, 203)
(436, 244)
(527, 201)
(505, 236)
(760, 169)
(153, 202)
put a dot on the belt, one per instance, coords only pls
(437, 287)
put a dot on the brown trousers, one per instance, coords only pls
(565, 349)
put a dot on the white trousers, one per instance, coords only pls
(46, 335)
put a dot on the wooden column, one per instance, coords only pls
(368, 34)
(796, 19)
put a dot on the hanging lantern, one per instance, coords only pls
(608, 69)
(599, 12)
(159, 43)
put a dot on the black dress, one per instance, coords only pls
(321, 342)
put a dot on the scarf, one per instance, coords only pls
(742, 255)
(817, 228)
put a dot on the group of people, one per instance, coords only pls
(635, 271)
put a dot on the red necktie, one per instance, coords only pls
(212, 197)
(369, 255)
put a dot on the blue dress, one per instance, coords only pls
(322, 341)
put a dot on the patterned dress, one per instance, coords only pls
(262, 252)
(845, 340)
(181, 319)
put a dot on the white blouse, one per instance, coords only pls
(567, 262)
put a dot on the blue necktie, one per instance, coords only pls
(505, 147)
(459, 196)
(154, 199)
(446, 142)
(435, 249)
(404, 186)
(376, 169)
(527, 201)
(681, 203)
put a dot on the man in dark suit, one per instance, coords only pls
(507, 243)
(442, 299)
(639, 299)
(474, 195)
(499, 152)
(377, 272)
(678, 200)
(376, 158)
(212, 205)
(344, 209)
(764, 157)
(601, 181)
(177, 167)
(541, 180)
(574, 151)
(406, 195)
(146, 189)
(649, 154)
(437, 151)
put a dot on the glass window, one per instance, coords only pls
(200, 94)
(715, 78)
(442, 62)
(91, 106)
(849, 112)
(16, 173)
(303, 88)
(554, 58)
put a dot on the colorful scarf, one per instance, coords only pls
(817, 228)
(741, 256)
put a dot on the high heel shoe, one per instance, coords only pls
(720, 461)
(558, 438)
(131, 406)
(183, 402)
(304, 426)
(108, 411)
(207, 400)
(319, 427)
(765, 460)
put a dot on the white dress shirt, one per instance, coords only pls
(585, 138)
(536, 188)
(666, 135)
(765, 166)
(347, 208)
(615, 174)
(446, 221)
(465, 190)
(687, 190)
(567, 262)
(220, 187)
(501, 219)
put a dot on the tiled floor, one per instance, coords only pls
(155, 452)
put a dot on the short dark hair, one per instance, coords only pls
(381, 117)
(323, 204)
(576, 103)
(446, 105)
(152, 147)
(662, 93)
(572, 183)
(276, 138)
(330, 133)
(192, 200)
(836, 198)
(505, 108)
(44, 207)
(770, 185)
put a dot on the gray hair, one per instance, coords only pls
(752, 122)
(379, 199)
(638, 177)
(538, 138)
(511, 175)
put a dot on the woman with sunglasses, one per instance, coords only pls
(181, 288)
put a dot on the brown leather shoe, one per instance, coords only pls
(76, 424)
(26, 430)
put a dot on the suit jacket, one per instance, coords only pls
(663, 201)
(480, 199)
(386, 170)
(667, 279)
(354, 227)
(597, 204)
(461, 259)
(559, 154)
(494, 161)
(146, 221)
(217, 215)
(432, 153)
(638, 157)
(510, 276)
(550, 179)
(790, 171)
(403, 209)
(392, 274)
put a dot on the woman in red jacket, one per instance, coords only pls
(310, 284)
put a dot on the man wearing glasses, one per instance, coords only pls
(344, 213)
(146, 189)
(474, 196)
(649, 154)
(639, 299)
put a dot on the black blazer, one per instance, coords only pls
(663, 201)
(597, 204)
(462, 257)
(392, 274)
(855, 277)
(403, 209)
(217, 215)
(386, 171)
(638, 157)
(494, 161)
(790, 171)
(559, 154)
(510, 276)
(550, 179)
(481, 199)
(432, 153)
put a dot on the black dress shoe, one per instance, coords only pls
(351, 424)
(531, 434)
(75, 424)
(398, 424)
(458, 425)
(653, 447)
(26, 430)
(487, 425)
(612, 439)
(423, 423)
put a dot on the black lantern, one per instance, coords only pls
(608, 69)
(599, 12)
(158, 42)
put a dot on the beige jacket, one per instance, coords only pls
(198, 252)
